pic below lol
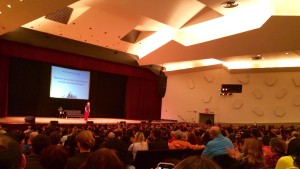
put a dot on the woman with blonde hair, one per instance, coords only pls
(139, 143)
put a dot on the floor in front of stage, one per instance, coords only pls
(46, 120)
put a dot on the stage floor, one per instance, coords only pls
(46, 120)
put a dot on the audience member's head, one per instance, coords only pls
(295, 134)
(55, 137)
(214, 131)
(252, 150)
(103, 159)
(157, 132)
(294, 147)
(11, 156)
(85, 139)
(40, 142)
(178, 134)
(266, 140)
(32, 135)
(111, 135)
(139, 137)
(278, 146)
(120, 148)
(54, 157)
(197, 162)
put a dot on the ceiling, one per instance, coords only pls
(174, 34)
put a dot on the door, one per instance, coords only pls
(205, 118)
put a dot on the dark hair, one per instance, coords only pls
(54, 157)
(103, 159)
(55, 138)
(294, 147)
(197, 162)
(10, 153)
(157, 132)
(120, 148)
(40, 142)
(278, 146)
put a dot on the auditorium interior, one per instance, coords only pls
(161, 61)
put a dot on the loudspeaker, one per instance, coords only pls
(89, 122)
(162, 85)
(54, 123)
(30, 119)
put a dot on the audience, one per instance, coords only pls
(27, 146)
(85, 142)
(218, 144)
(292, 159)
(55, 138)
(253, 157)
(265, 150)
(11, 156)
(197, 162)
(39, 142)
(121, 150)
(53, 157)
(138, 143)
(157, 141)
(178, 143)
(266, 143)
(103, 159)
(278, 148)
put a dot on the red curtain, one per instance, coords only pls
(142, 101)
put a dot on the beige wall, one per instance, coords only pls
(266, 97)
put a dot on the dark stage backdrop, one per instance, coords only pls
(29, 87)
(116, 90)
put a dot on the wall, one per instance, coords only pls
(266, 97)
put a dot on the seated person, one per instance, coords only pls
(11, 155)
(197, 162)
(218, 144)
(53, 157)
(157, 141)
(61, 112)
(103, 158)
(179, 143)
(85, 142)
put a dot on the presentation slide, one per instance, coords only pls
(69, 83)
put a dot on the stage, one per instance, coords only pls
(47, 120)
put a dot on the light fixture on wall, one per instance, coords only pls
(230, 4)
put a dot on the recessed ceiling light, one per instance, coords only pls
(8, 5)
(230, 4)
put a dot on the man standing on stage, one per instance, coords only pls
(87, 110)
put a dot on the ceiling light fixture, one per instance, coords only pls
(230, 4)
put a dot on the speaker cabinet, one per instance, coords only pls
(89, 122)
(162, 85)
(54, 123)
(30, 119)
